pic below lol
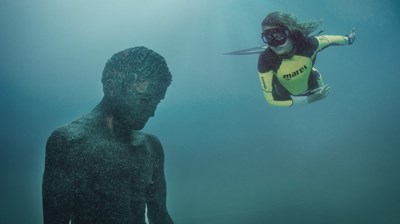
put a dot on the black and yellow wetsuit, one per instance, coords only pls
(283, 76)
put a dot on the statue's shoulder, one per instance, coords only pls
(140, 138)
(150, 141)
(71, 133)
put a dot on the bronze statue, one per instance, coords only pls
(101, 168)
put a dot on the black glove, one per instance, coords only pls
(351, 37)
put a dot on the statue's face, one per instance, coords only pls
(138, 103)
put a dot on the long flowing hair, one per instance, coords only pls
(290, 21)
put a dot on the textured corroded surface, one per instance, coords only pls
(101, 168)
(138, 63)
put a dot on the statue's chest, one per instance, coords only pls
(111, 162)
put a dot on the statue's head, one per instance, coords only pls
(134, 81)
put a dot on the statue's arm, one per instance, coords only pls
(156, 193)
(57, 180)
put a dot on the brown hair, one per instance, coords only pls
(290, 21)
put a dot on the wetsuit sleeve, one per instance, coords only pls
(266, 84)
(325, 41)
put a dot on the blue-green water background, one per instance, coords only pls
(230, 157)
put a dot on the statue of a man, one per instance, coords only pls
(101, 168)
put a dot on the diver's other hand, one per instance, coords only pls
(352, 36)
(319, 93)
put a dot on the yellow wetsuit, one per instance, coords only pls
(293, 75)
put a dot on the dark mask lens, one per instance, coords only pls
(279, 36)
(275, 36)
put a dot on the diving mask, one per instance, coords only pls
(275, 36)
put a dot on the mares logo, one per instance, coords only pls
(296, 73)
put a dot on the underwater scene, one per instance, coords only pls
(229, 155)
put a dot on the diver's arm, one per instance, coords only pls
(315, 95)
(325, 41)
(266, 84)
(56, 188)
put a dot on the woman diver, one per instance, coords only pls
(285, 68)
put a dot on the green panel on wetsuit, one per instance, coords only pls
(293, 74)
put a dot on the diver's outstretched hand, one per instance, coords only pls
(319, 93)
(352, 36)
